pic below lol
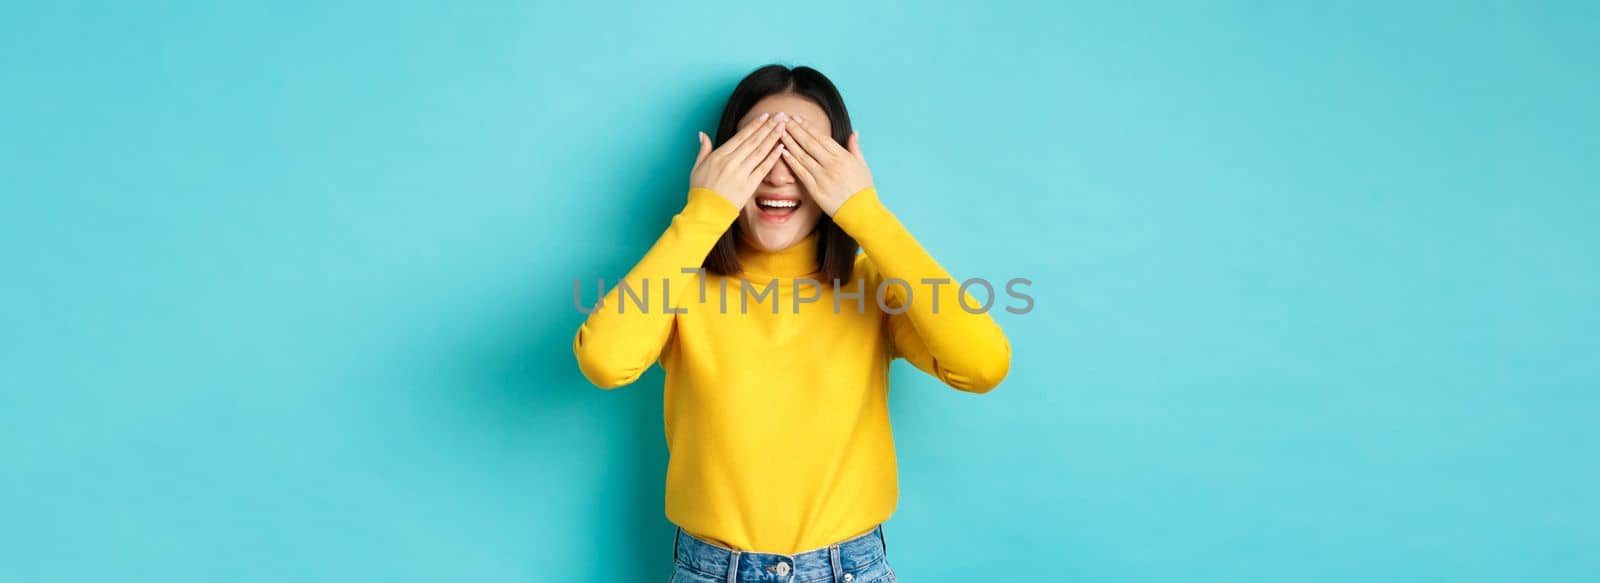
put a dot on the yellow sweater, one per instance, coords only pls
(778, 424)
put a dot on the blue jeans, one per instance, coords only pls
(858, 560)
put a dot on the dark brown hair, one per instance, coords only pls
(836, 250)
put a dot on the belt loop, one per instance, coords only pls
(883, 542)
(733, 567)
(676, 536)
(838, 566)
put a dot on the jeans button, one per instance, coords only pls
(848, 577)
(783, 569)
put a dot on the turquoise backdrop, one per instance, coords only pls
(287, 286)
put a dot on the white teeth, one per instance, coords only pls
(782, 204)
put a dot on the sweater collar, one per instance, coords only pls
(799, 259)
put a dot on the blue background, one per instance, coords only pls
(288, 286)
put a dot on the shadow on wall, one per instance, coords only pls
(530, 378)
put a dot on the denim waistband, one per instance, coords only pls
(861, 554)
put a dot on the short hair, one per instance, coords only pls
(836, 250)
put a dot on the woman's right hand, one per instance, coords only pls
(738, 167)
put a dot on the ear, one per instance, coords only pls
(854, 145)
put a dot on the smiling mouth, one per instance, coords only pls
(776, 210)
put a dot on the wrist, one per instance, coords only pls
(710, 203)
(857, 209)
(833, 206)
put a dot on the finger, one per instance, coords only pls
(743, 134)
(768, 144)
(810, 143)
(798, 136)
(758, 144)
(825, 143)
(801, 155)
(799, 169)
(771, 160)
(705, 149)
(855, 146)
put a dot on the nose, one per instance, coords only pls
(780, 175)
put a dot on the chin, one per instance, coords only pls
(775, 221)
(771, 241)
(778, 237)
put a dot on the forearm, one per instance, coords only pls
(968, 349)
(621, 338)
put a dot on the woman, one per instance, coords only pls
(776, 338)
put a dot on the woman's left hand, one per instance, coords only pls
(831, 173)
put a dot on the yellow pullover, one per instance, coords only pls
(777, 424)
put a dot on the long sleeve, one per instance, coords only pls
(619, 342)
(964, 350)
